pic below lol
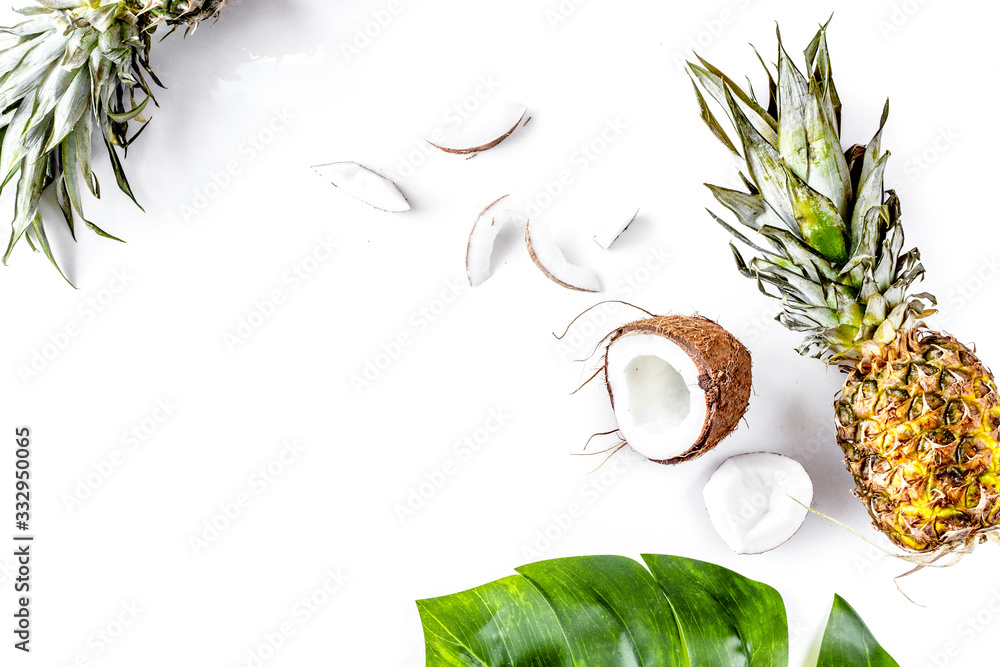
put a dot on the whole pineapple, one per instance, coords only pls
(919, 415)
(73, 66)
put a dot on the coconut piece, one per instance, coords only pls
(753, 501)
(497, 125)
(549, 258)
(678, 385)
(608, 234)
(362, 183)
(481, 241)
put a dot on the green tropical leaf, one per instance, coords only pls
(848, 641)
(506, 622)
(606, 611)
(725, 618)
(610, 611)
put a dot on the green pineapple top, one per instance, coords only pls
(176, 12)
(73, 66)
(827, 234)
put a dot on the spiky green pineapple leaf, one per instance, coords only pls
(43, 241)
(772, 86)
(70, 69)
(797, 253)
(818, 58)
(713, 124)
(874, 148)
(716, 84)
(737, 234)
(793, 94)
(749, 209)
(801, 208)
(869, 215)
(811, 142)
(839, 269)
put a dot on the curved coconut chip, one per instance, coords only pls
(364, 184)
(481, 241)
(550, 260)
(468, 140)
(608, 234)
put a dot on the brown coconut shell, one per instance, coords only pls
(541, 267)
(473, 150)
(724, 373)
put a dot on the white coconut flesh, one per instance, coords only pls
(609, 233)
(550, 259)
(659, 406)
(483, 131)
(486, 229)
(362, 183)
(751, 501)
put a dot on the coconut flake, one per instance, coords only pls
(659, 405)
(609, 233)
(362, 183)
(549, 258)
(751, 501)
(496, 126)
(481, 241)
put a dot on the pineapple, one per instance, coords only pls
(73, 66)
(918, 418)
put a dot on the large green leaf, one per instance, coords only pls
(726, 619)
(506, 622)
(609, 611)
(606, 611)
(848, 641)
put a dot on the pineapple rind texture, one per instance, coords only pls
(919, 422)
(918, 416)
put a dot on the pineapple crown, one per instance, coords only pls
(73, 66)
(826, 234)
(177, 12)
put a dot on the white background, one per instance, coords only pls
(201, 258)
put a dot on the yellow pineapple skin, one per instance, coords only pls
(919, 420)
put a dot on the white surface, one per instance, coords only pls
(464, 359)
(758, 501)
(659, 407)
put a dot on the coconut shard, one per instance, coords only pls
(678, 385)
(498, 124)
(364, 184)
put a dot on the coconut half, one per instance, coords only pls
(362, 183)
(678, 385)
(495, 125)
(482, 238)
(608, 234)
(550, 260)
(751, 501)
